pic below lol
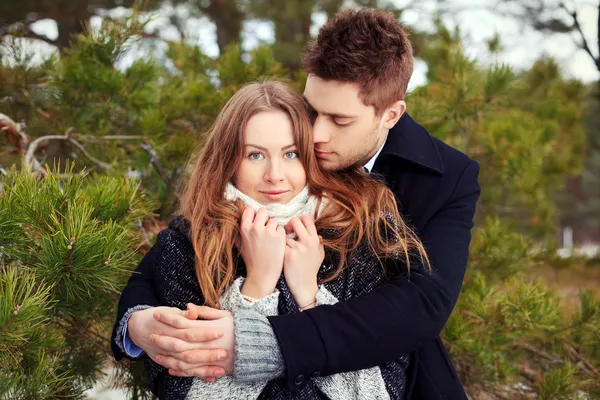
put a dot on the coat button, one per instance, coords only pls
(299, 380)
(315, 375)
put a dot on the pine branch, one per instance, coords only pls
(541, 353)
(11, 354)
(579, 358)
(10, 320)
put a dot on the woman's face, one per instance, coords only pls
(271, 171)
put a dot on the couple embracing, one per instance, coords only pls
(320, 244)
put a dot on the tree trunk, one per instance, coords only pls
(67, 28)
(292, 31)
(228, 18)
(598, 38)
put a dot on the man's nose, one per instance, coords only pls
(321, 131)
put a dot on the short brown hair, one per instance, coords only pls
(366, 46)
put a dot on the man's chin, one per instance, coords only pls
(328, 165)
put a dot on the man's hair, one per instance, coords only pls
(367, 47)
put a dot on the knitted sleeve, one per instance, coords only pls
(254, 344)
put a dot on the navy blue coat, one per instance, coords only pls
(437, 189)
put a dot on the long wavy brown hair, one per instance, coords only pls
(359, 209)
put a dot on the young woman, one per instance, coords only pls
(262, 227)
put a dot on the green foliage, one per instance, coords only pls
(67, 243)
(166, 106)
(526, 130)
(67, 239)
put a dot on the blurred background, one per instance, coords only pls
(103, 102)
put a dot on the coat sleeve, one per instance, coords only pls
(395, 319)
(140, 291)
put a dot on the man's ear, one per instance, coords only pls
(393, 114)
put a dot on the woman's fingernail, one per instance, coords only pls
(219, 373)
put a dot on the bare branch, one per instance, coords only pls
(154, 160)
(15, 133)
(21, 29)
(101, 164)
(584, 44)
(31, 161)
(35, 107)
(91, 138)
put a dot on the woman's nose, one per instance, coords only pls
(274, 172)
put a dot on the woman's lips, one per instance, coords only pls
(274, 194)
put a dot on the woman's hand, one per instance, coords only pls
(303, 258)
(262, 248)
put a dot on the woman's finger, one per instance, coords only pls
(300, 230)
(247, 218)
(291, 243)
(175, 320)
(288, 227)
(261, 218)
(272, 225)
(209, 313)
(192, 312)
(309, 224)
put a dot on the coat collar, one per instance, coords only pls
(410, 141)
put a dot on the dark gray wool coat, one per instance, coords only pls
(177, 285)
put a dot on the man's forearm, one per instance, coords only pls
(395, 319)
(139, 291)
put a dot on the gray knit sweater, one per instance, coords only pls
(364, 384)
(258, 358)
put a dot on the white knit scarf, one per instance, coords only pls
(302, 204)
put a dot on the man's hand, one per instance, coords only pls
(177, 340)
(204, 348)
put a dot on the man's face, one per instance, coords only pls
(346, 131)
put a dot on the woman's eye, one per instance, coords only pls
(290, 155)
(255, 156)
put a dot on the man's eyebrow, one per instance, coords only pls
(332, 115)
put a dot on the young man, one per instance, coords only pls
(359, 68)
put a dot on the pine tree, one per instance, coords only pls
(510, 336)
(526, 130)
(67, 243)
